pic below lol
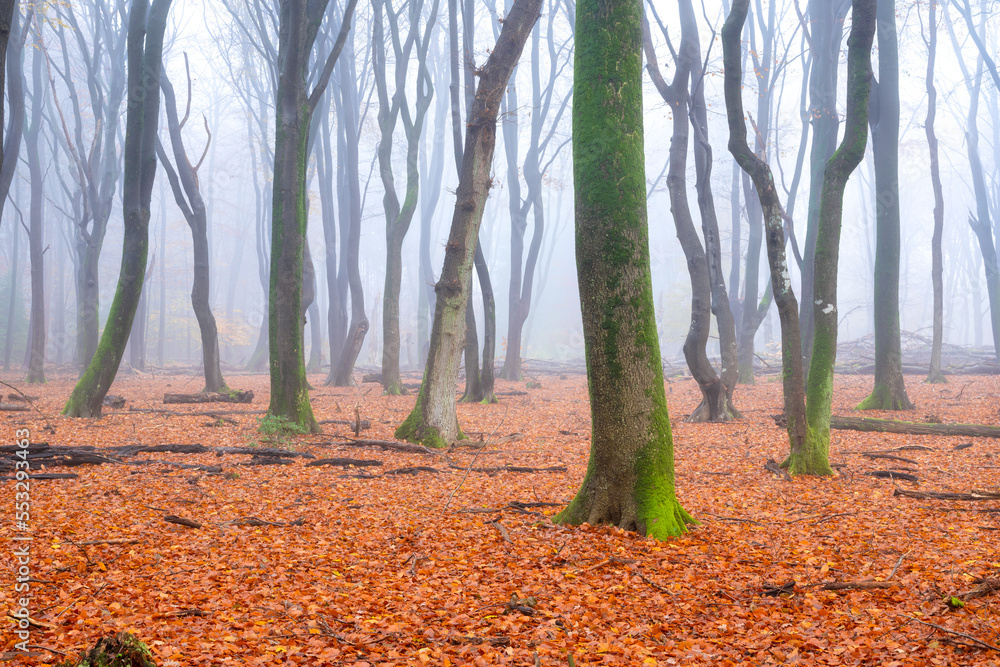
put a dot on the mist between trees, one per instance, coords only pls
(383, 153)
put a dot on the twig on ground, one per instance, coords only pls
(977, 642)
(469, 469)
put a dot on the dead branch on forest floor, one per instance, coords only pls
(976, 642)
(945, 495)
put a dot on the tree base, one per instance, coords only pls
(668, 520)
(120, 650)
(703, 414)
(936, 377)
(814, 458)
(883, 397)
(416, 429)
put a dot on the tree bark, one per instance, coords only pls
(826, 30)
(793, 383)
(36, 216)
(145, 51)
(187, 193)
(889, 392)
(714, 396)
(937, 256)
(399, 214)
(433, 420)
(11, 39)
(630, 476)
(814, 457)
(294, 105)
(350, 192)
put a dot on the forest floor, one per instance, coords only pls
(368, 568)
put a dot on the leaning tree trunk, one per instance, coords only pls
(36, 360)
(793, 383)
(814, 457)
(433, 420)
(11, 39)
(889, 392)
(187, 193)
(630, 476)
(145, 52)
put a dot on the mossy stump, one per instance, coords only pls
(120, 650)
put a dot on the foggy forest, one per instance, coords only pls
(674, 327)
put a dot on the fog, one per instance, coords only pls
(231, 97)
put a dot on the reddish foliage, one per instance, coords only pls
(378, 574)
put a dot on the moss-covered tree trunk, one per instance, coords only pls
(889, 392)
(793, 383)
(294, 105)
(630, 476)
(826, 26)
(433, 420)
(187, 193)
(813, 458)
(145, 51)
(36, 346)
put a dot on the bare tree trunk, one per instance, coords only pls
(36, 216)
(793, 378)
(187, 193)
(433, 420)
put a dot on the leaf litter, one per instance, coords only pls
(345, 564)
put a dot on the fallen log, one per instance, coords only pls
(412, 470)
(181, 521)
(856, 585)
(890, 457)
(14, 407)
(229, 397)
(46, 475)
(264, 451)
(944, 495)
(913, 428)
(344, 462)
(892, 474)
(392, 446)
(510, 468)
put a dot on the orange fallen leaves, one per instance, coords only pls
(378, 575)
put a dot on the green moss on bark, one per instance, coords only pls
(883, 398)
(416, 429)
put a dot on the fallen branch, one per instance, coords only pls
(510, 468)
(945, 495)
(181, 521)
(857, 585)
(977, 642)
(986, 587)
(231, 397)
(772, 466)
(913, 428)
(344, 462)
(391, 446)
(892, 474)
(888, 457)
(413, 470)
(14, 407)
